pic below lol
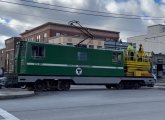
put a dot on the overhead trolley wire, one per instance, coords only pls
(41, 3)
(51, 18)
(83, 13)
(39, 16)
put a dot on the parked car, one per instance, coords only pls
(1, 71)
(2, 81)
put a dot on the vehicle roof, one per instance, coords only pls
(40, 43)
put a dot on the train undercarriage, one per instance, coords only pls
(64, 84)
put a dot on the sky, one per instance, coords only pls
(115, 16)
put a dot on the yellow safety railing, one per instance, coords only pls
(137, 66)
(146, 57)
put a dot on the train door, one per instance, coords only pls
(20, 56)
(117, 61)
(159, 70)
(17, 58)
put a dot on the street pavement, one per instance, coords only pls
(87, 103)
(11, 93)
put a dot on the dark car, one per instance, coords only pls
(2, 79)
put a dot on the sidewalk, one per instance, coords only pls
(11, 93)
(160, 85)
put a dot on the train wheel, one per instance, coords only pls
(63, 85)
(108, 86)
(136, 86)
(120, 86)
(66, 86)
(39, 85)
(151, 85)
(30, 88)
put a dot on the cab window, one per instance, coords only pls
(38, 51)
(116, 57)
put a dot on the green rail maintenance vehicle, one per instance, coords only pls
(43, 66)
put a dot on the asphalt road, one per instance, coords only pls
(82, 103)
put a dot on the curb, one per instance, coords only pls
(4, 97)
(159, 87)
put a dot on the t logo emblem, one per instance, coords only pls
(78, 71)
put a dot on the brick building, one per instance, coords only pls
(7, 54)
(52, 31)
(2, 58)
(74, 40)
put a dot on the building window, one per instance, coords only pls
(163, 29)
(69, 43)
(38, 38)
(12, 68)
(38, 51)
(69, 39)
(99, 47)
(108, 39)
(82, 56)
(160, 61)
(99, 43)
(58, 34)
(45, 35)
(65, 34)
(7, 60)
(11, 56)
(83, 45)
(91, 41)
(91, 46)
(35, 40)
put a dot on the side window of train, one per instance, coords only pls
(82, 56)
(119, 58)
(38, 51)
(116, 58)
